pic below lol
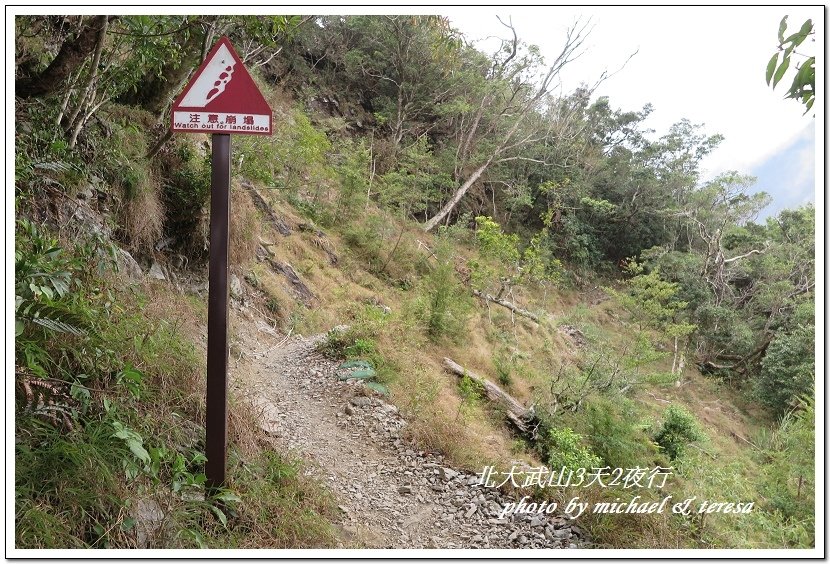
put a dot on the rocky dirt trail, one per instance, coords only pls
(391, 494)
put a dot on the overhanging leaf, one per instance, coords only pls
(798, 37)
(219, 515)
(805, 30)
(804, 80)
(138, 450)
(779, 74)
(782, 27)
(773, 62)
(58, 326)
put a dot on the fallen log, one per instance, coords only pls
(522, 418)
(509, 305)
(740, 438)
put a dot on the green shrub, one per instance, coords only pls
(472, 395)
(788, 369)
(788, 469)
(442, 305)
(615, 435)
(365, 238)
(679, 429)
(352, 167)
(360, 341)
(56, 302)
(415, 181)
(448, 311)
(504, 369)
(42, 158)
(565, 449)
(461, 231)
(471, 391)
(295, 153)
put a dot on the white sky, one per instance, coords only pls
(706, 64)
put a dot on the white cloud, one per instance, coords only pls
(805, 164)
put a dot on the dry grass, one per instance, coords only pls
(471, 436)
(143, 218)
(244, 432)
(276, 302)
(245, 229)
(173, 357)
(281, 507)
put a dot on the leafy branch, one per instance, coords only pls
(803, 86)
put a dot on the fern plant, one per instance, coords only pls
(43, 283)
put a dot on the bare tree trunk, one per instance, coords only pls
(372, 171)
(674, 360)
(82, 112)
(448, 207)
(509, 305)
(398, 122)
(72, 54)
(503, 146)
(160, 143)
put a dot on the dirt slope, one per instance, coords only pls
(391, 495)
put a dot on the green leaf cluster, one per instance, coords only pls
(566, 449)
(678, 429)
(803, 86)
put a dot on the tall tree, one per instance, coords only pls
(498, 123)
(405, 64)
(73, 52)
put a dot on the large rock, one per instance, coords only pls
(79, 215)
(156, 272)
(448, 473)
(86, 193)
(236, 287)
(149, 521)
(128, 266)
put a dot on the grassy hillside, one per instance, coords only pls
(521, 356)
(554, 287)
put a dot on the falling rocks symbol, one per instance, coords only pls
(222, 98)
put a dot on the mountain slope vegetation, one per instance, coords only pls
(441, 202)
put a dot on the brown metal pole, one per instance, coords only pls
(216, 427)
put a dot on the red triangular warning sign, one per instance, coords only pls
(222, 98)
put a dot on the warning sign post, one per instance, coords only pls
(221, 99)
